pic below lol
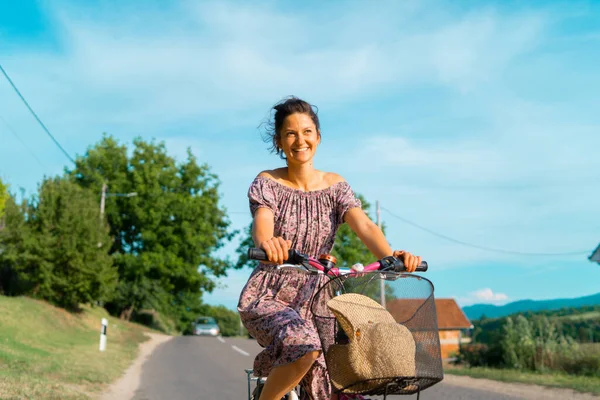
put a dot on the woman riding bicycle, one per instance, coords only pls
(298, 207)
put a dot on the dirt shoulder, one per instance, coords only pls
(525, 391)
(124, 388)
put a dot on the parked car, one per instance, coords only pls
(206, 326)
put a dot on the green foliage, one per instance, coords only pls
(348, 248)
(474, 355)
(580, 324)
(3, 196)
(519, 344)
(155, 320)
(531, 342)
(17, 245)
(55, 247)
(163, 238)
(242, 249)
(585, 362)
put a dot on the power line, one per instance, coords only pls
(35, 115)
(11, 130)
(491, 249)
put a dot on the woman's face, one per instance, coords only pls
(299, 138)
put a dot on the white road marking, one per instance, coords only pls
(221, 339)
(239, 350)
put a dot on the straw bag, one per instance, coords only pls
(379, 349)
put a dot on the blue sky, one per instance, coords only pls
(477, 120)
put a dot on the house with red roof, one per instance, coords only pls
(452, 321)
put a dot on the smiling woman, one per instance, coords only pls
(297, 207)
(303, 123)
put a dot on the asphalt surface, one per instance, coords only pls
(207, 368)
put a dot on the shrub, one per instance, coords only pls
(473, 354)
(580, 363)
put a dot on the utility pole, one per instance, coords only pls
(102, 201)
(105, 195)
(102, 204)
(381, 281)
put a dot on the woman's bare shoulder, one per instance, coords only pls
(332, 178)
(274, 174)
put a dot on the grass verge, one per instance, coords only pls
(579, 383)
(47, 353)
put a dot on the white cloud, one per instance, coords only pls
(194, 60)
(489, 296)
(483, 296)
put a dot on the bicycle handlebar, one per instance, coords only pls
(389, 263)
(294, 257)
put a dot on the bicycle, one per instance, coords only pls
(409, 349)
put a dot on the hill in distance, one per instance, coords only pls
(476, 311)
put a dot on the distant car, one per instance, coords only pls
(206, 326)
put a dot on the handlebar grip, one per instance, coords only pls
(395, 264)
(259, 254)
(421, 268)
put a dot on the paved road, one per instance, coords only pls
(204, 368)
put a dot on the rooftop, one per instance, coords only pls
(449, 314)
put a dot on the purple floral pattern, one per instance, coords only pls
(274, 305)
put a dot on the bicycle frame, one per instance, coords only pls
(292, 395)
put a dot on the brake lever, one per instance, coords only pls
(389, 263)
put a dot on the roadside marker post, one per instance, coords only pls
(103, 334)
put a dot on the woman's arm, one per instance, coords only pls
(372, 236)
(263, 228)
(368, 232)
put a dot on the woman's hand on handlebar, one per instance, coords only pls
(410, 262)
(277, 249)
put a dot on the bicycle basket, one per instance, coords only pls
(374, 350)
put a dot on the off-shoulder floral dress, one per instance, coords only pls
(274, 305)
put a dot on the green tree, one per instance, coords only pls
(164, 238)
(3, 197)
(509, 344)
(16, 244)
(56, 247)
(348, 249)
(242, 250)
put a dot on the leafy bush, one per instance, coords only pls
(155, 320)
(535, 344)
(479, 355)
(581, 364)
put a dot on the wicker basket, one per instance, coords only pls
(374, 350)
